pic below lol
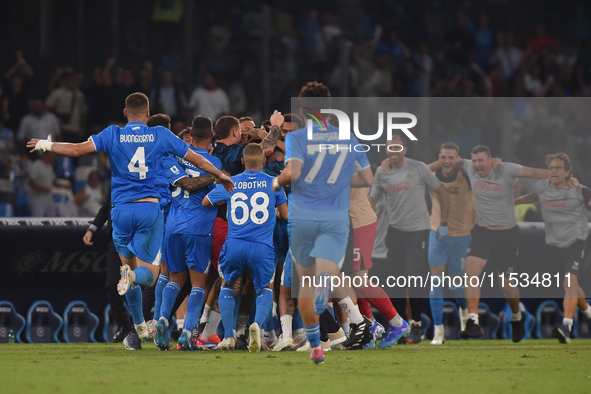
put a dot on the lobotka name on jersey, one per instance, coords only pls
(136, 138)
(251, 185)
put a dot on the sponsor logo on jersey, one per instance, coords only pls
(487, 186)
(405, 185)
(553, 203)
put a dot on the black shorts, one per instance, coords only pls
(408, 255)
(570, 258)
(499, 248)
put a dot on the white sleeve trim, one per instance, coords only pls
(92, 139)
(178, 179)
(294, 158)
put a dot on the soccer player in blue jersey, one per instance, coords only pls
(188, 235)
(228, 148)
(164, 276)
(249, 245)
(227, 131)
(136, 153)
(320, 178)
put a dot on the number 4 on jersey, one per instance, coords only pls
(139, 157)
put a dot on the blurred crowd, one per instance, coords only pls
(473, 56)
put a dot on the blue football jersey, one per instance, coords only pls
(274, 168)
(323, 189)
(165, 205)
(251, 206)
(230, 156)
(136, 153)
(187, 215)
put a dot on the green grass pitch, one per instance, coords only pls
(535, 366)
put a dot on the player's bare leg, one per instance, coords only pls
(511, 294)
(573, 296)
(306, 295)
(181, 312)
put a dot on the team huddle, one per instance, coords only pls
(215, 214)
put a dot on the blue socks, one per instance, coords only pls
(264, 304)
(237, 301)
(162, 281)
(313, 335)
(227, 303)
(268, 324)
(458, 292)
(194, 305)
(134, 302)
(297, 320)
(436, 299)
(171, 290)
(143, 276)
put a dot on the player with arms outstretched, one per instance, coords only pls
(563, 209)
(136, 153)
(495, 238)
(449, 254)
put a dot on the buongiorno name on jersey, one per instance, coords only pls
(136, 138)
